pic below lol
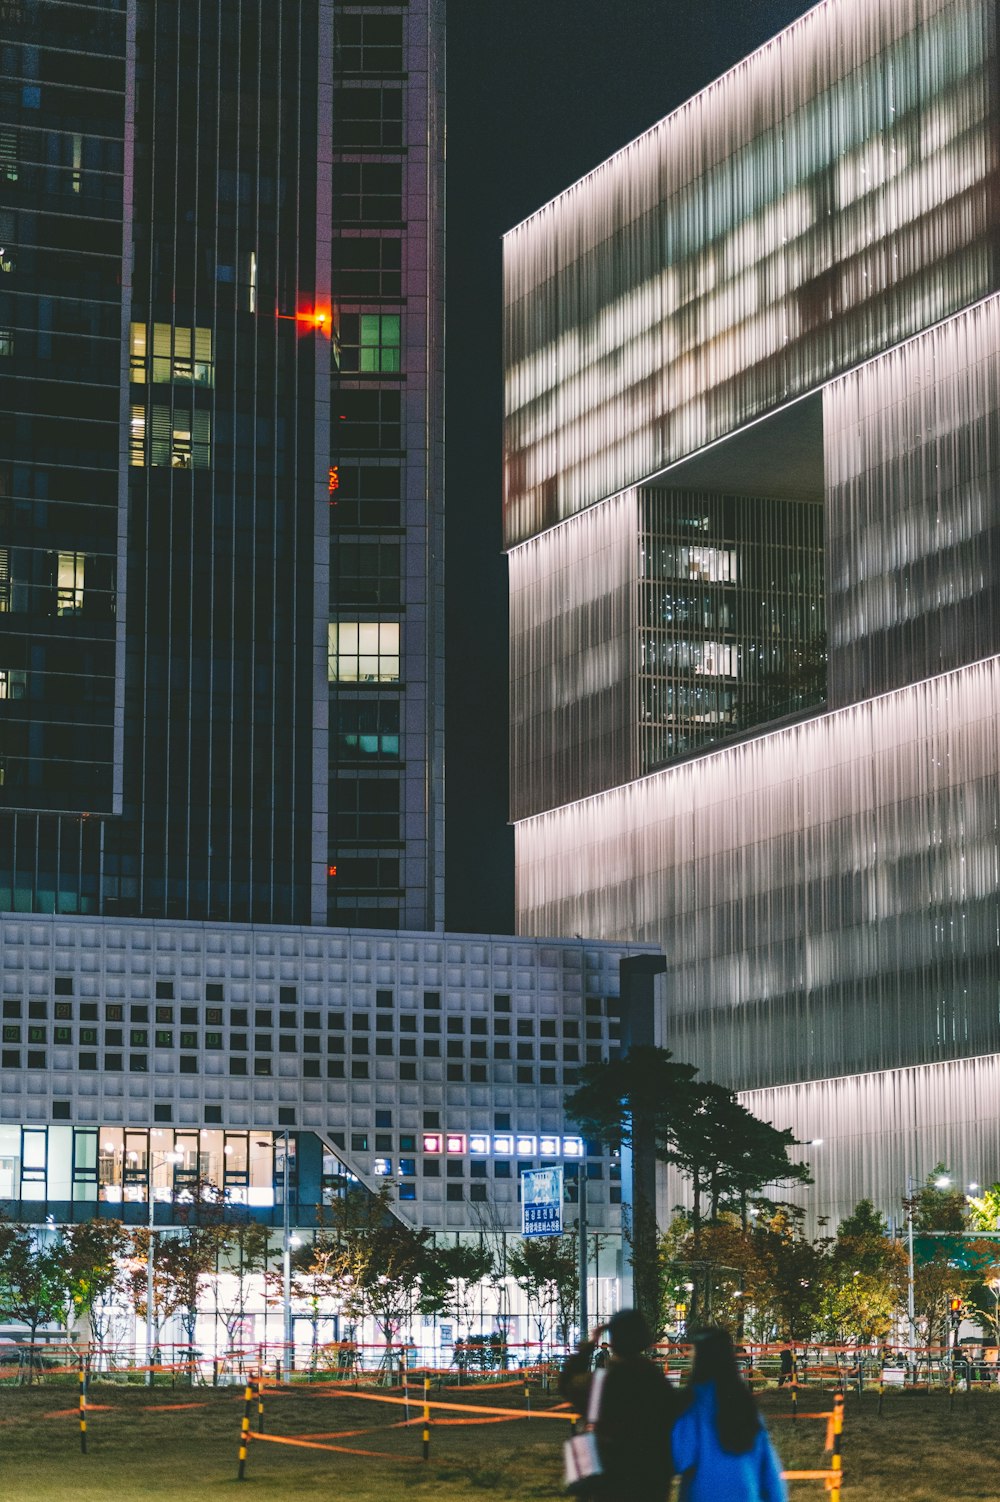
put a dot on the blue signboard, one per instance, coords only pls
(542, 1202)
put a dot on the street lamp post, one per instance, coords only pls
(910, 1306)
(582, 1200)
(286, 1266)
(172, 1157)
(942, 1182)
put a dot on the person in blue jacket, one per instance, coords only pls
(720, 1446)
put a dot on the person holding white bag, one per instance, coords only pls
(635, 1410)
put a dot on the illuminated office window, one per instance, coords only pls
(8, 252)
(363, 652)
(69, 583)
(171, 438)
(172, 354)
(380, 341)
(8, 155)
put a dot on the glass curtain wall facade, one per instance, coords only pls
(384, 645)
(731, 605)
(827, 888)
(64, 119)
(220, 509)
(653, 626)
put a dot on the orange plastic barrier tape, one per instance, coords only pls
(502, 1419)
(469, 1386)
(311, 1444)
(812, 1475)
(72, 1413)
(827, 1414)
(511, 1413)
(169, 1407)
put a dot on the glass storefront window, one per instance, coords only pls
(112, 1164)
(10, 1162)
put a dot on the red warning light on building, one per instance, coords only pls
(311, 320)
(317, 319)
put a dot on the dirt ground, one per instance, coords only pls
(180, 1443)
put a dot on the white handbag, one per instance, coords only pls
(581, 1460)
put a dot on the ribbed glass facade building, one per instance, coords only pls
(753, 428)
(220, 469)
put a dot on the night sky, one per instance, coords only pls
(539, 92)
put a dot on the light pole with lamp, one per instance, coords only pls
(911, 1315)
(288, 1241)
(943, 1181)
(582, 1250)
(171, 1157)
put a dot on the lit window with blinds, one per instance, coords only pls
(169, 353)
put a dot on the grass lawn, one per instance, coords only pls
(918, 1452)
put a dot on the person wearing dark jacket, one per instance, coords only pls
(637, 1408)
(720, 1445)
(787, 1366)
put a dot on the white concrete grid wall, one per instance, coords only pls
(327, 1079)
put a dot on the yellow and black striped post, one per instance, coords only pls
(260, 1400)
(881, 1389)
(837, 1458)
(83, 1407)
(245, 1431)
(427, 1418)
(795, 1386)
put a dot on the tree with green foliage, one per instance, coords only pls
(378, 1262)
(656, 1106)
(314, 1286)
(34, 1283)
(939, 1204)
(177, 1277)
(718, 1272)
(93, 1253)
(616, 1100)
(983, 1210)
(789, 1276)
(546, 1269)
(184, 1262)
(451, 1278)
(629, 1103)
(672, 1273)
(938, 1209)
(245, 1251)
(866, 1282)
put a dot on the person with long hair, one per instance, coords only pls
(720, 1446)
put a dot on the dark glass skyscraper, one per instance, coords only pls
(220, 461)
